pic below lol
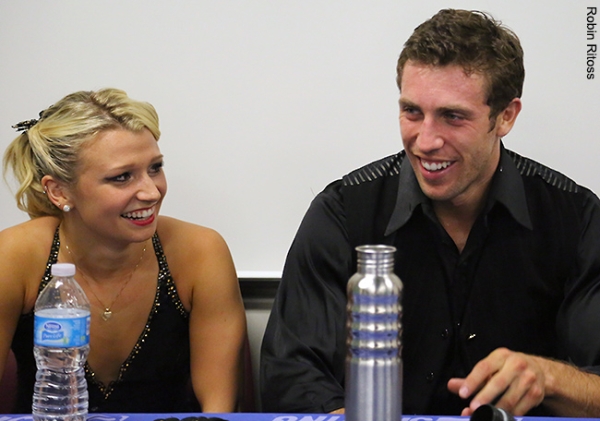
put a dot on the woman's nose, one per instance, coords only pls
(148, 190)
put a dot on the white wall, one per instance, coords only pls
(263, 103)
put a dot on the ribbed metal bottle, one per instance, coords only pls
(374, 341)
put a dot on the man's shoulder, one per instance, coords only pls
(528, 168)
(376, 170)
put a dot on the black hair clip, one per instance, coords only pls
(27, 124)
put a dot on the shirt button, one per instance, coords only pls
(429, 377)
(471, 336)
(445, 333)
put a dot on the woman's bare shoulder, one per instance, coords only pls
(28, 237)
(180, 235)
(193, 250)
(199, 260)
(24, 251)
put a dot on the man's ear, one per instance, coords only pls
(57, 192)
(506, 119)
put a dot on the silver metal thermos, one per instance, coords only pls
(374, 338)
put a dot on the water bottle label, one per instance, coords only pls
(61, 332)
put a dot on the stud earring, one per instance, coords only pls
(66, 208)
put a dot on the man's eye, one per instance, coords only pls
(454, 117)
(411, 113)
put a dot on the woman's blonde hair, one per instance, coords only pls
(51, 145)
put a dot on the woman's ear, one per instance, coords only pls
(57, 192)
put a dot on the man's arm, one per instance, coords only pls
(518, 382)
(303, 350)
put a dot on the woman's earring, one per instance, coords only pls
(66, 208)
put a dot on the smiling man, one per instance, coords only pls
(499, 255)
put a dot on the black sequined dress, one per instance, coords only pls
(155, 376)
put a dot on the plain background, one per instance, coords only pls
(263, 103)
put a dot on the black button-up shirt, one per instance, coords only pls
(528, 279)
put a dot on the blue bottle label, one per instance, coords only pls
(61, 332)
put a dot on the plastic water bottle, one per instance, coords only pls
(61, 345)
(374, 343)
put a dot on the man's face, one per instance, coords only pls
(445, 126)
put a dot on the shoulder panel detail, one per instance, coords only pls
(385, 167)
(529, 168)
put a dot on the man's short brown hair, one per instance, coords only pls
(476, 42)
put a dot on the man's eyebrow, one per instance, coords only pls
(450, 109)
(455, 109)
(407, 103)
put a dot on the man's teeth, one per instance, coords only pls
(435, 166)
(139, 214)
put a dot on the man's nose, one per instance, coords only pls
(429, 137)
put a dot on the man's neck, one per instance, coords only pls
(458, 220)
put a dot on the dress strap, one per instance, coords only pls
(53, 258)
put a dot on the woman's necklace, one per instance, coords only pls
(107, 313)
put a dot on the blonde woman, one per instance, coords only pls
(166, 305)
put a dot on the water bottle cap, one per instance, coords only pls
(63, 269)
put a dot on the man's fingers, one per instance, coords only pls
(484, 372)
(524, 393)
(455, 384)
(516, 387)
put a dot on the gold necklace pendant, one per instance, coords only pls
(106, 314)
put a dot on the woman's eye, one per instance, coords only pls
(120, 178)
(156, 168)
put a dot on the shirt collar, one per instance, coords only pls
(507, 189)
(409, 197)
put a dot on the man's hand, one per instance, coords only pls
(510, 380)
